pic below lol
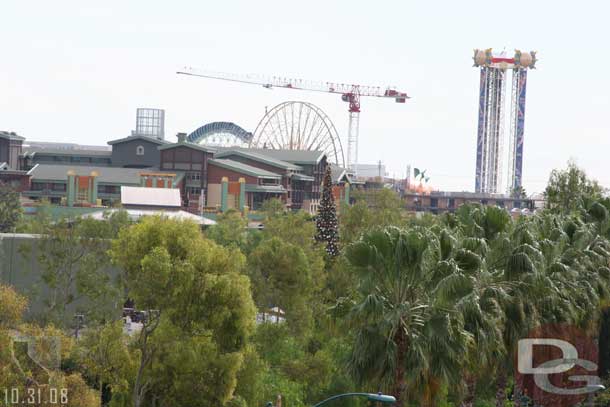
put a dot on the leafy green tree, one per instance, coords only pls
(12, 306)
(230, 229)
(37, 223)
(103, 355)
(299, 230)
(326, 219)
(79, 394)
(519, 193)
(273, 207)
(10, 208)
(570, 190)
(354, 219)
(19, 371)
(303, 375)
(283, 278)
(385, 206)
(200, 312)
(250, 378)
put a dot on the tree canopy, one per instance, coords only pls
(570, 190)
(200, 311)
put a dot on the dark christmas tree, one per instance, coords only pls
(326, 220)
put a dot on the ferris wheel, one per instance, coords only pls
(299, 126)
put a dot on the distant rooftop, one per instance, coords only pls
(107, 175)
(137, 214)
(44, 145)
(139, 137)
(10, 135)
(258, 156)
(73, 152)
(291, 156)
(466, 194)
(207, 149)
(244, 168)
(141, 196)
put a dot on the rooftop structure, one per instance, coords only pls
(150, 123)
(258, 156)
(245, 168)
(110, 175)
(10, 148)
(44, 145)
(137, 214)
(223, 134)
(10, 135)
(292, 156)
(150, 197)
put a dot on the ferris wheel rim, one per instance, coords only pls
(322, 122)
(219, 129)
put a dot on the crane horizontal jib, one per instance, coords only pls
(350, 93)
(302, 84)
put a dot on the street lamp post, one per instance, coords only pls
(593, 389)
(382, 398)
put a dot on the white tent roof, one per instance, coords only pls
(150, 196)
(136, 214)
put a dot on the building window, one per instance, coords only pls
(193, 176)
(140, 150)
(451, 203)
(434, 202)
(194, 191)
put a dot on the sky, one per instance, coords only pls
(73, 72)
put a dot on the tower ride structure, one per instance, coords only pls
(494, 69)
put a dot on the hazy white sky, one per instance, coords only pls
(76, 73)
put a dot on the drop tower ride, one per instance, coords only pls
(492, 104)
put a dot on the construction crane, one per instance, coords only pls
(349, 93)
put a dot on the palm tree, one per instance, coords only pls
(502, 319)
(405, 337)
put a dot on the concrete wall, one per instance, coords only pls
(125, 154)
(19, 267)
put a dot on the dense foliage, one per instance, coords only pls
(427, 308)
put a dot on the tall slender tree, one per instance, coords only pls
(326, 221)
